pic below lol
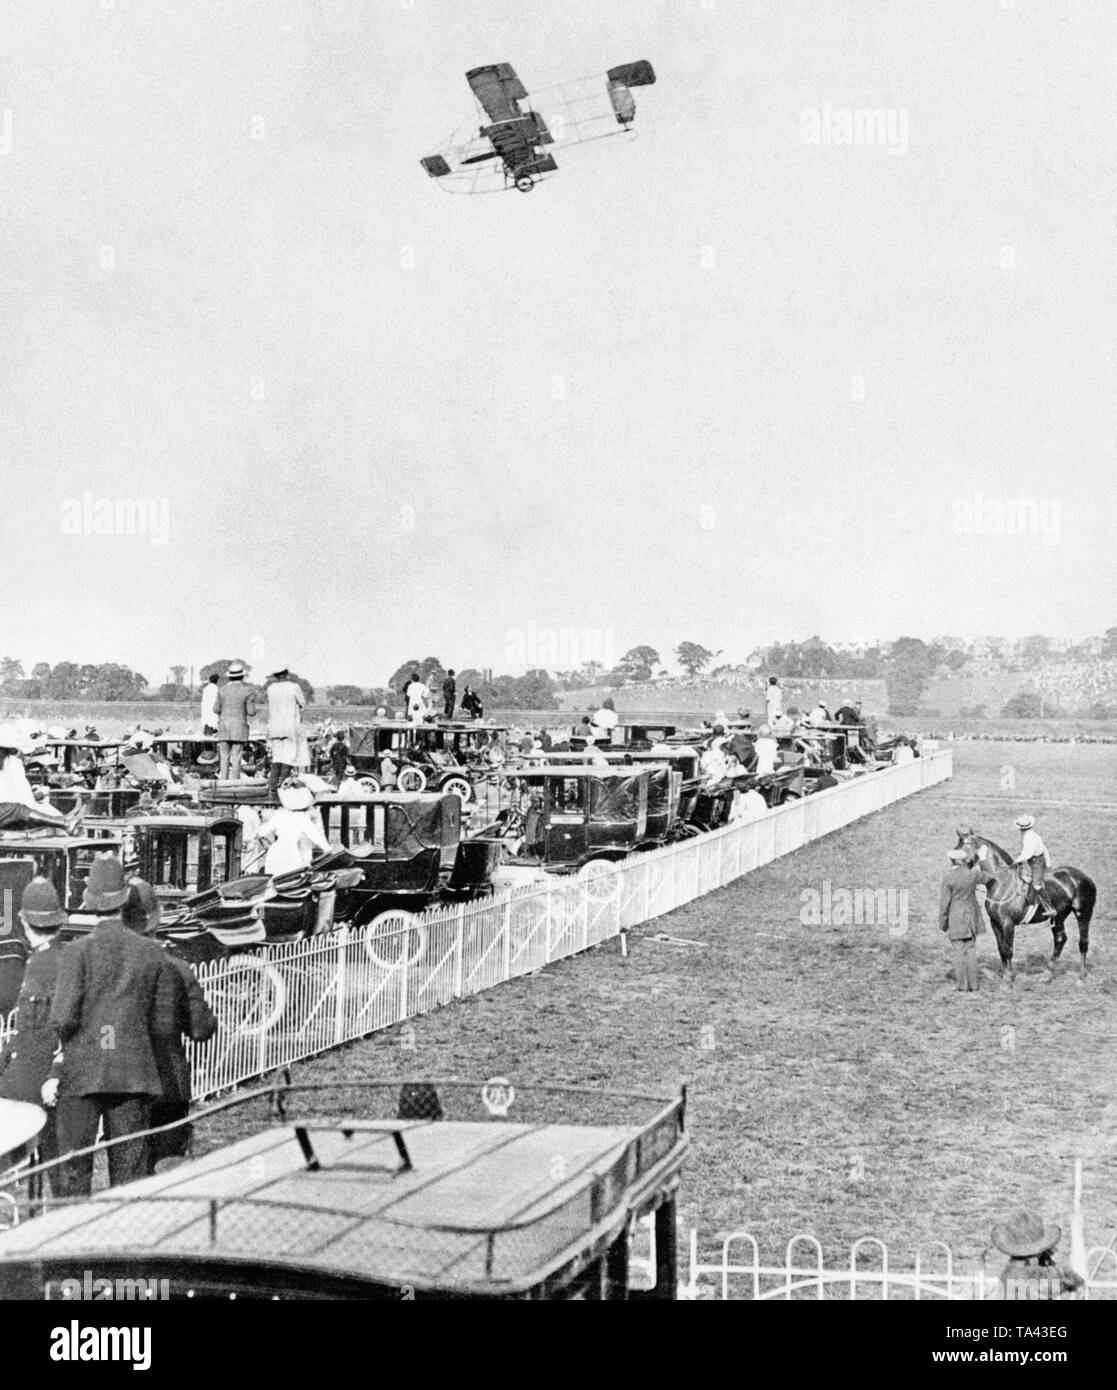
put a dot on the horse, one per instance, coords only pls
(1066, 889)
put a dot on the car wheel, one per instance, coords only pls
(458, 786)
(394, 937)
(412, 779)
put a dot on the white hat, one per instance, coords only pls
(1025, 822)
(295, 795)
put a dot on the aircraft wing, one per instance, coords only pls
(498, 89)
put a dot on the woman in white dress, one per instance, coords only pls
(295, 830)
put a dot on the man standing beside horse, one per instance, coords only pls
(960, 915)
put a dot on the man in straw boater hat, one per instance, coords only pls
(27, 1062)
(286, 703)
(1032, 1271)
(110, 999)
(1033, 859)
(960, 914)
(234, 705)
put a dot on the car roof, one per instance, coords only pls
(480, 1208)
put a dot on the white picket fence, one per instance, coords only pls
(871, 1272)
(291, 1002)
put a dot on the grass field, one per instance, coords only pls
(838, 1083)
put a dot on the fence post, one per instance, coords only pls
(341, 971)
(459, 953)
(507, 930)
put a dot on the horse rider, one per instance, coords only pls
(1034, 860)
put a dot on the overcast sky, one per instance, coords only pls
(714, 382)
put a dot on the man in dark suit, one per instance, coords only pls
(960, 914)
(27, 1065)
(105, 1011)
(181, 1007)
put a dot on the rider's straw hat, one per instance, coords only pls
(1025, 822)
(960, 856)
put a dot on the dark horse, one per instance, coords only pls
(1067, 890)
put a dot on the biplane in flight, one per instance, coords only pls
(513, 147)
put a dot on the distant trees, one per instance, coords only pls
(693, 657)
(68, 681)
(221, 668)
(1030, 704)
(637, 663)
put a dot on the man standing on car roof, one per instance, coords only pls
(449, 695)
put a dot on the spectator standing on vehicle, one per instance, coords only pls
(27, 1061)
(449, 695)
(418, 699)
(209, 698)
(767, 752)
(233, 706)
(105, 1012)
(773, 700)
(605, 719)
(471, 703)
(181, 1010)
(338, 753)
(286, 743)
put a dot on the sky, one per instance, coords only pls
(731, 380)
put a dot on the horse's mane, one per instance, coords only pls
(995, 849)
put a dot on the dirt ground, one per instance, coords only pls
(838, 1083)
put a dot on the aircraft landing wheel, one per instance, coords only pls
(525, 183)
(393, 937)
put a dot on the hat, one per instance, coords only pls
(764, 731)
(142, 909)
(295, 795)
(1024, 1233)
(1025, 822)
(104, 888)
(40, 907)
(962, 831)
(13, 736)
(236, 671)
(278, 673)
(960, 856)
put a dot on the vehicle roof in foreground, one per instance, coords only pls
(484, 1206)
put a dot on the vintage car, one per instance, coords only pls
(83, 757)
(450, 757)
(63, 859)
(412, 855)
(681, 759)
(418, 1190)
(581, 818)
(185, 855)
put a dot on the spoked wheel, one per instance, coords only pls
(395, 937)
(458, 786)
(369, 784)
(411, 779)
(603, 879)
(249, 997)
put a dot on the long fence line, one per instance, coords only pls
(295, 1001)
(290, 1002)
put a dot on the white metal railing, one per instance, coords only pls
(289, 1002)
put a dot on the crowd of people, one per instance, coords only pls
(100, 1029)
